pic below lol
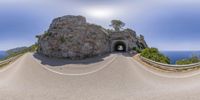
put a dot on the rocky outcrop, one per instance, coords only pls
(141, 42)
(130, 37)
(72, 37)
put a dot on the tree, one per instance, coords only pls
(117, 24)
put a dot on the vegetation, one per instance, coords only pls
(137, 49)
(4, 64)
(117, 24)
(193, 59)
(32, 48)
(46, 33)
(15, 50)
(62, 39)
(155, 55)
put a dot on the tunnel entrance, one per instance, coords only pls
(119, 46)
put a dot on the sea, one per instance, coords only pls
(3, 54)
(178, 55)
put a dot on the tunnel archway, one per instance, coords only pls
(120, 46)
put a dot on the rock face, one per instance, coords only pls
(141, 42)
(127, 36)
(72, 37)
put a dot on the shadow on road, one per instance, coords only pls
(126, 54)
(59, 62)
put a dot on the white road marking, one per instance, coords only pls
(79, 74)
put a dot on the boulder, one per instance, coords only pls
(72, 37)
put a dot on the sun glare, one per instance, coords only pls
(100, 12)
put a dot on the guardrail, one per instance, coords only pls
(170, 67)
(9, 60)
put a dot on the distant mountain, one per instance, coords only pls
(3, 54)
(16, 50)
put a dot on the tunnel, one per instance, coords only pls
(119, 46)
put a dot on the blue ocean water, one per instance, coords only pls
(3, 54)
(178, 55)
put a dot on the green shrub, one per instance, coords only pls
(33, 48)
(193, 59)
(62, 39)
(137, 49)
(155, 55)
(46, 34)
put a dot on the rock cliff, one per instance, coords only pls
(72, 37)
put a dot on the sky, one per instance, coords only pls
(165, 24)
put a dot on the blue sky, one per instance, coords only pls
(166, 24)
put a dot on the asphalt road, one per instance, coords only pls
(114, 77)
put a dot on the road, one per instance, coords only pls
(114, 77)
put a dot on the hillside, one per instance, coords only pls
(14, 50)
